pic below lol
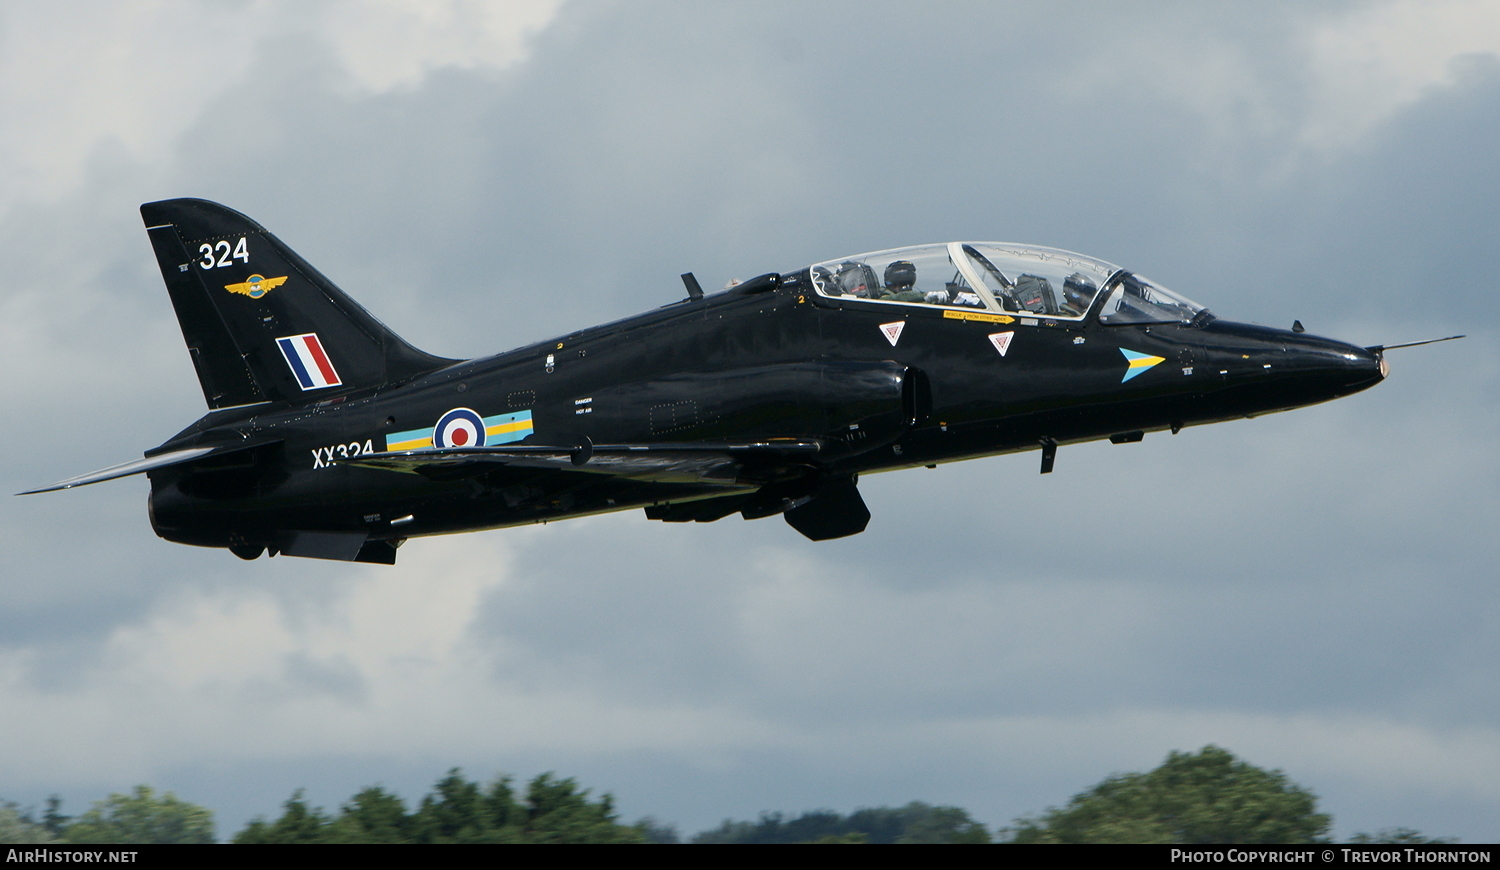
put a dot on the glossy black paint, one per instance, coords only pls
(767, 398)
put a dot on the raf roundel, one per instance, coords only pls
(459, 427)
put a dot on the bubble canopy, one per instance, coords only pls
(1020, 280)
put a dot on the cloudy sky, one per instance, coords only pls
(1315, 591)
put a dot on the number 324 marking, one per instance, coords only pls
(225, 254)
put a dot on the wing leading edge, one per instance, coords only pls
(139, 466)
(680, 462)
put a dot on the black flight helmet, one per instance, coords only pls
(1079, 290)
(851, 280)
(900, 275)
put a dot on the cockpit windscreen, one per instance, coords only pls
(1134, 299)
(1021, 280)
(1002, 278)
(923, 275)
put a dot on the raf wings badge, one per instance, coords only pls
(256, 286)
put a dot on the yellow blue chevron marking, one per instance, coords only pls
(1139, 362)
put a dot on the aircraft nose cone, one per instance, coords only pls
(1351, 367)
(1366, 363)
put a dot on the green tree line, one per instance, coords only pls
(457, 811)
(1193, 798)
(139, 817)
(916, 822)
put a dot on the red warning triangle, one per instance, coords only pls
(1001, 341)
(892, 331)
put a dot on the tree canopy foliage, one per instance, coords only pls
(142, 817)
(457, 811)
(1401, 836)
(1204, 797)
(916, 822)
(16, 828)
(1192, 798)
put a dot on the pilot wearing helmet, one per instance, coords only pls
(852, 280)
(900, 276)
(1078, 291)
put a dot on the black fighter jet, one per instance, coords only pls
(329, 436)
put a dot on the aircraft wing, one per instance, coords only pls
(126, 469)
(670, 462)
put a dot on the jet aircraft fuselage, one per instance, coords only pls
(330, 437)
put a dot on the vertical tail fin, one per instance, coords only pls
(261, 324)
